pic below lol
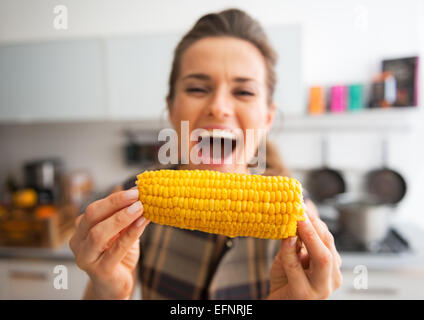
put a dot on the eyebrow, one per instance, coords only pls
(203, 76)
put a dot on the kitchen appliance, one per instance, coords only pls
(44, 176)
(392, 243)
(385, 184)
(365, 221)
(364, 218)
(141, 148)
(324, 183)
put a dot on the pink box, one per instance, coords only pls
(338, 99)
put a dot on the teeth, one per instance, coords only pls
(218, 133)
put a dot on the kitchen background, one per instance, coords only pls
(90, 95)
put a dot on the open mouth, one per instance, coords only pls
(217, 146)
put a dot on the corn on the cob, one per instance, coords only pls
(223, 203)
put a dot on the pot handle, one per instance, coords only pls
(384, 151)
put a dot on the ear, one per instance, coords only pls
(272, 109)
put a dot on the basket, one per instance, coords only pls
(27, 231)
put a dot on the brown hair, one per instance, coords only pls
(238, 24)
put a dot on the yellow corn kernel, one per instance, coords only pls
(224, 203)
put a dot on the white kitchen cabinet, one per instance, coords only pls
(138, 68)
(52, 81)
(116, 78)
(34, 279)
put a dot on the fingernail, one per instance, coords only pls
(140, 221)
(131, 194)
(292, 241)
(135, 207)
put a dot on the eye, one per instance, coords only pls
(244, 93)
(196, 90)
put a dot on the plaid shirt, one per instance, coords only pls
(184, 264)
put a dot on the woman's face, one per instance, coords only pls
(221, 91)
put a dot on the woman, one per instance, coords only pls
(222, 79)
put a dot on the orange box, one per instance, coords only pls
(316, 100)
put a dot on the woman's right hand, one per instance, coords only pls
(106, 243)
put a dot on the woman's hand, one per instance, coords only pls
(106, 243)
(309, 271)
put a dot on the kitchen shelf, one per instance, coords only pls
(392, 119)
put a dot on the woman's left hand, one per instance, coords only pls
(309, 271)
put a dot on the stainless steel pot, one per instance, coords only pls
(365, 220)
(362, 218)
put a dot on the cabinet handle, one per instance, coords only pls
(27, 275)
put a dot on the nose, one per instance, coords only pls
(220, 105)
